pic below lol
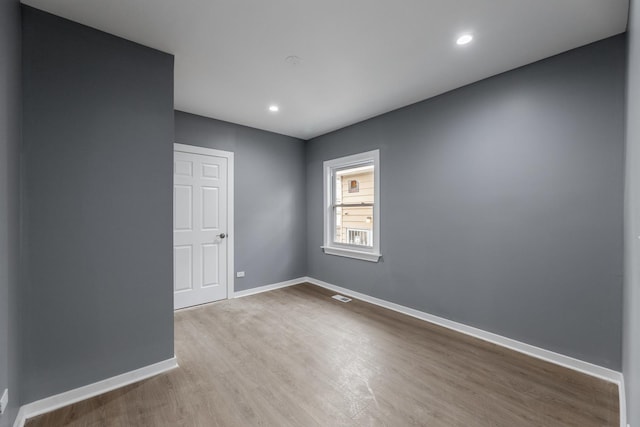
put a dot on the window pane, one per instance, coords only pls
(355, 185)
(354, 225)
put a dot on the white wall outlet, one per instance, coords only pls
(240, 274)
(4, 400)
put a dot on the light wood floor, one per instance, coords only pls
(295, 357)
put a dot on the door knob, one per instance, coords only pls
(222, 235)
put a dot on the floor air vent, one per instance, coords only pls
(341, 298)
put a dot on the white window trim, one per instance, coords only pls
(330, 247)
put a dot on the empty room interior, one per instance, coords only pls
(319, 213)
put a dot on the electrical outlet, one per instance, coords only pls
(4, 400)
(240, 274)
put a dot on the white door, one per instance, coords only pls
(200, 234)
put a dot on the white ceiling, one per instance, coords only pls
(359, 58)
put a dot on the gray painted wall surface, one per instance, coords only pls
(631, 328)
(270, 209)
(98, 144)
(9, 201)
(502, 204)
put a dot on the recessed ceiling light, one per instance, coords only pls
(273, 108)
(464, 39)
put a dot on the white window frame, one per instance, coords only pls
(331, 247)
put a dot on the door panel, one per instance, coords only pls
(182, 215)
(210, 267)
(210, 208)
(200, 219)
(210, 171)
(182, 267)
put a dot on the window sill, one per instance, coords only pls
(349, 253)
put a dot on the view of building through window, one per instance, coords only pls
(354, 199)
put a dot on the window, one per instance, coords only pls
(352, 206)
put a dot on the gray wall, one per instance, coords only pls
(270, 212)
(501, 204)
(631, 328)
(9, 201)
(97, 140)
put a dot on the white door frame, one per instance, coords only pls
(230, 230)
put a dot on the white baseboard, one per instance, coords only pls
(54, 402)
(70, 397)
(530, 350)
(622, 394)
(540, 353)
(271, 287)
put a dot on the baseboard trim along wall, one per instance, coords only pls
(537, 352)
(66, 398)
(623, 402)
(271, 287)
(52, 403)
(530, 350)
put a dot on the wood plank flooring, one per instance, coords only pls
(296, 357)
